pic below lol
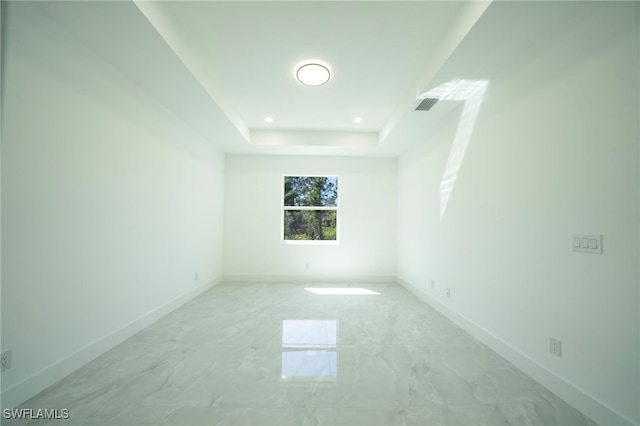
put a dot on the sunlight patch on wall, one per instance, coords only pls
(472, 93)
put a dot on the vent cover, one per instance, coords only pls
(426, 104)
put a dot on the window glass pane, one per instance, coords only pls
(310, 225)
(311, 191)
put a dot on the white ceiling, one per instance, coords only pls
(375, 51)
(221, 67)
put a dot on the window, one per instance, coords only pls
(310, 208)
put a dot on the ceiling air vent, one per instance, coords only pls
(426, 104)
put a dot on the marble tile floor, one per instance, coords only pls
(278, 354)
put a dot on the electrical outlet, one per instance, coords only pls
(433, 285)
(555, 347)
(5, 359)
(447, 292)
(308, 265)
(197, 276)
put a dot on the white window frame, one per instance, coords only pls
(285, 208)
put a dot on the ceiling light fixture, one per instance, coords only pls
(313, 74)
(357, 120)
(268, 119)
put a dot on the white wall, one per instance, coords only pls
(253, 214)
(554, 152)
(110, 205)
(1, 133)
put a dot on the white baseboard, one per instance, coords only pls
(309, 278)
(37, 382)
(586, 404)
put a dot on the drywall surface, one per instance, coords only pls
(110, 205)
(1, 85)
(554, 152)
(253, 246)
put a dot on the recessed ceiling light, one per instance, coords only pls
(313, 74)
(268, 119)
(357, 120)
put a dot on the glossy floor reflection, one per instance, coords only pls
(277, 354)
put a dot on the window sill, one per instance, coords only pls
(311, 242)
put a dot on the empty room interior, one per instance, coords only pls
(320, 212)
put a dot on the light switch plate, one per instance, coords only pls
(586, 243)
